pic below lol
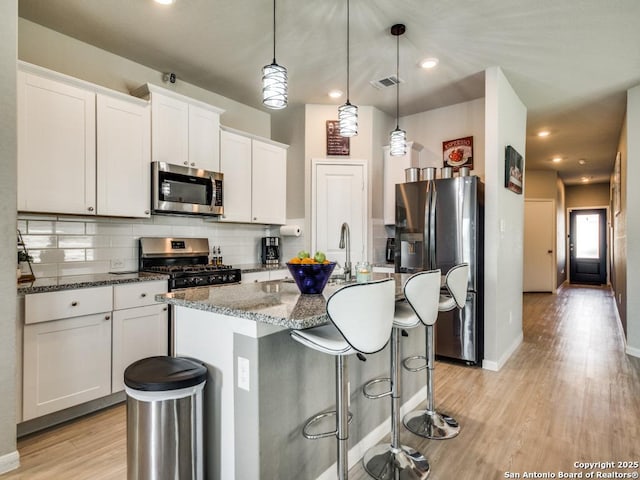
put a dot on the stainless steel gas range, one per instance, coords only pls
(185, 261)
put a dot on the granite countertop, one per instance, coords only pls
(69, 282)
(259, 267)
(276, 302)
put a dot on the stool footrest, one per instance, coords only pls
(406, 362)
(315, 419)
(373, 382)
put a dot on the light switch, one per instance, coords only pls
(244, 378)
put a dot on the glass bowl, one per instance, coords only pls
(311, 278)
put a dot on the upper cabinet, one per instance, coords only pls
(393, 174)
(255, 178)
(56, 146)
(184, 131)
(82, 149)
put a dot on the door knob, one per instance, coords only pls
(549, 251)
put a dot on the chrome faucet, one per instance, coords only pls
(345, 242)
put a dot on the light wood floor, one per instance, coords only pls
(568, 394)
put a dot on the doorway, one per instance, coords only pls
(588, 246)
(539, 272)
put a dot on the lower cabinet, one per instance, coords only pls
(137, 333)
(66, 362)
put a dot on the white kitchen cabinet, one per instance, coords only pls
(140, 326)
(123, 156)
(255, 178)
(281, 274)
(254, 277)
(137, 333)
(393, 174)
(184, 131)
(56, 145)
(66, 362)
(235, 165)
(269, 183)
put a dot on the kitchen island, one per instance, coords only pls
(263, 386)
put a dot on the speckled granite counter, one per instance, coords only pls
(276, 302)
(52, 284)
(259, 267)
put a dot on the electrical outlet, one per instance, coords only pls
(244, 379)
(117, 264)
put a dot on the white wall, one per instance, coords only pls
(433, 127)
(8, 47)
(633, 221)
(505, 124)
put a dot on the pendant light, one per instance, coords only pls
(347, 113)
(274, 78)
(398, 141)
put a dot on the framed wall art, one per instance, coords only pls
(458, 153)
(336, 145)
(513, 170)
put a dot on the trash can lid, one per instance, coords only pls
(155, 374)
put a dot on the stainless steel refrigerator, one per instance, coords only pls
(439, 223)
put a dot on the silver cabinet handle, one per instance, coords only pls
(186, 163)
(74, 304)
(165, 309)
(193, 164)
(107, 317)
(255, 218)
(146, 212)
(142, 295)
(90, 209)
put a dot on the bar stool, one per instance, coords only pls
(391, 461)
(429, 423)
(361, 317)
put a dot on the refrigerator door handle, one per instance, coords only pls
(432, 227)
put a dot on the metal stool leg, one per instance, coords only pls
(429, 423)
(395, 461)
(342, 416)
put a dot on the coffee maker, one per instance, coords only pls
(270, 250)
(390, 250)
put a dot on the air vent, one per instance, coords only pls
(386, 82)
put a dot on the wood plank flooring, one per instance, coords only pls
(568, 394)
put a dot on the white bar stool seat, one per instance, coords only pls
(361, 316)
(393, 460)
(429, 423)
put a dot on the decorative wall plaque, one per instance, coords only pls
(336, 145)
(458, 153)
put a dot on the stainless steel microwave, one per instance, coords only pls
(178, 189)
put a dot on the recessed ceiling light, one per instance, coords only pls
(556, 159)
(582, 161)
(429, 62)
(544, 133)
(585, 179)
(335, 93)
(165, 2)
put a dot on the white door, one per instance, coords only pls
(539, 246)
(339, 195)
(123, 156)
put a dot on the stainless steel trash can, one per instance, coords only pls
(164, 418)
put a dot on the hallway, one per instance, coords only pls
(568, 394)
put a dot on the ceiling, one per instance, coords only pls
(570, 62)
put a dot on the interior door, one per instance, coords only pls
(539, 241)
(588, 246)
(339, 196)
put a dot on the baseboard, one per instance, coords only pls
(373, 438)
(496, 366)
(634, 352)
(9, 462)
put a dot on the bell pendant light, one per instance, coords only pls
(347, 113)
(274, 78)
(398, 140)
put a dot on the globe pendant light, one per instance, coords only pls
(398, 140)
(347, 113)
(274, 78)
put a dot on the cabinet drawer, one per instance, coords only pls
(137, 294)
(43, 307)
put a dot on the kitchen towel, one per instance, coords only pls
(290, 231)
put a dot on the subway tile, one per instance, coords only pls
(41, 227)
(70, 228)
(82, 241)
(82, 268)
(40, 241)
(45, 270)
(124, 241)
(22, 226)
(107, 228)
(73, 255)
(52, 255)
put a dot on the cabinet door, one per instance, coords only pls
(281, 274)
(137, 333)
(269, 184)
(66, 363)
(204, 139)
(169, 130)
(393, 174)
(123, 156)
(235, 164)
(56, 146)
(254, 277)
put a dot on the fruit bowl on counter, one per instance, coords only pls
(310, 273)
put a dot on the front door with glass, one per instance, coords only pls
(588, 246)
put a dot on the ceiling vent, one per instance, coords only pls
(386, 82)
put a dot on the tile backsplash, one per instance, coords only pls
(65, 245)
